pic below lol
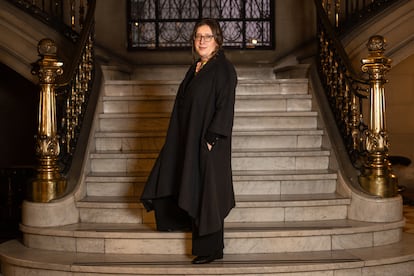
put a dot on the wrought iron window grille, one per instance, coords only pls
(167, 24)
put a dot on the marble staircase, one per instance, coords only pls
(292, 213)
(281, 174)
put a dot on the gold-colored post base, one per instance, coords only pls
(45, 190)
(381, 185)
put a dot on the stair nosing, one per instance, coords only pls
(232, 230)
(240, 81)
(237, 175)
(242, 201)
(254, 96)
(255, 263)
(237, 114)
(297, 152)
(278, 132)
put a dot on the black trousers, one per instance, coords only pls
(170, 217)
(207, 245)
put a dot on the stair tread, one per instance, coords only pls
(279, 174)
(129, 134)
(134, 115)
(267, 200)
(289, 197)
(264, 197)
(281, 151)
(123, 154)
(171, 97)
(275, 113)
(240, 82)
(236, 152)
(231, 229)
(237, 114)
(273, 81)
(293, 173)
(138, 98)
(271, 263)
(143, 82)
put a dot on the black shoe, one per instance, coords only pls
(207, 259)
(175, 229)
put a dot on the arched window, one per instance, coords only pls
(167, 24)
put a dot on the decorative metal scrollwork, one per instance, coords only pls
(163, 24)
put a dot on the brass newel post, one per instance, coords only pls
(377, 177)
(49, 183)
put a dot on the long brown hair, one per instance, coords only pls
(215, 29)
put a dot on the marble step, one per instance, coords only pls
(395, 259)
(290, 138)
(280, 159)
(284, 182)
(239, 238)
(255, 72)
(169, 87)
(243, 121)
(244, 103)
(141, 87)
(272, 87)
(276, 139)
(129, 140)
(258, 121)
(166, 72)
(244, 159)
(244, 183)
(271, 103)
(249, 208)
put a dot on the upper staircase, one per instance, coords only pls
(293, 214)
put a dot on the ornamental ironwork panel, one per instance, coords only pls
(167, 24)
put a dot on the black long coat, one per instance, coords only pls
(200, 180)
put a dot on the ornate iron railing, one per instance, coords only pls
(345, 90)
(167, 24)
(366, 142)
(346, 14)
(75, 86)
(63, 99)
(67, 17)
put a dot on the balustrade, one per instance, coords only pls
(367, 143)
(63, 100)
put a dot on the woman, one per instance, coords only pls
(190, 185)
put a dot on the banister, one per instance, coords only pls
(86, 30)
(367, 144)
(76, 80)
(337, 45)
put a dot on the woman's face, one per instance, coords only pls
(204, 42)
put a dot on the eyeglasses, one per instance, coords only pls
(207, 38)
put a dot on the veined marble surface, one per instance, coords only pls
(395, 259)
